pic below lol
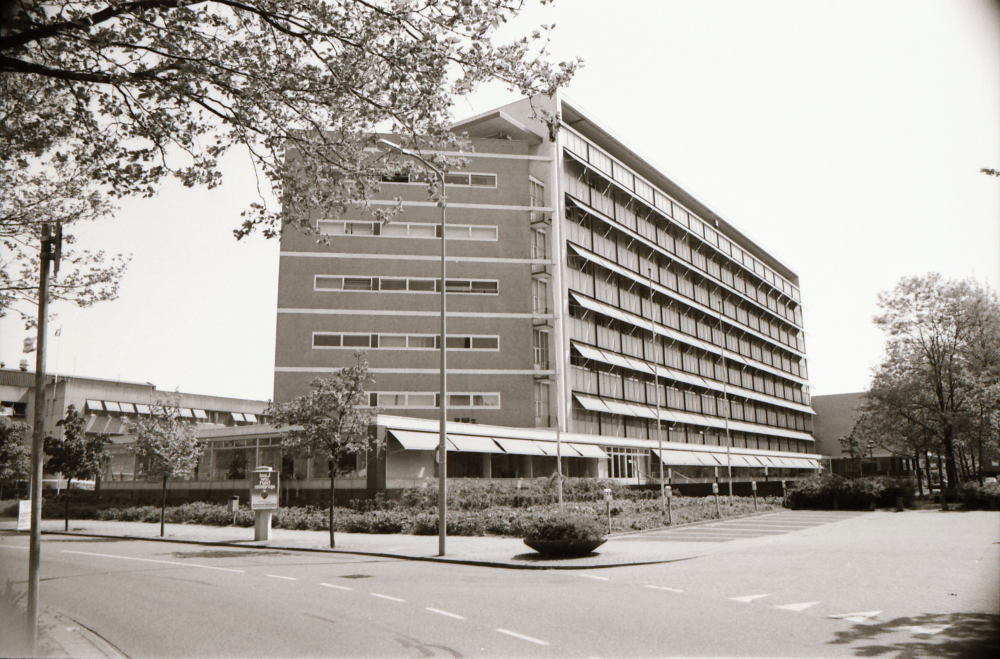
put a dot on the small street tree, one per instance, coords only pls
(15, 452)
(330, 422)
(75, 455)
(167, 445)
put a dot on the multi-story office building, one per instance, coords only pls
(587, 294)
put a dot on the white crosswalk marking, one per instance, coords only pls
(857, 617)
(747, 598)
(797, 607)
(522, 636)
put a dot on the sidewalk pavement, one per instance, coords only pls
(490, 551)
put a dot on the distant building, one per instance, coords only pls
(587, 292)
(108, 404)
(835, 417)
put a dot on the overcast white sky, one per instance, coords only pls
(846, 138)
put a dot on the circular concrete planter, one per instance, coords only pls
(564, 547)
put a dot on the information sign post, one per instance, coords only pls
(263, 500)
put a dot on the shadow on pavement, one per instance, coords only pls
(947, 636)
(225, 553)
(533, 557)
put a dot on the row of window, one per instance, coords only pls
(430, 401)
(612, 243)
(406, 285)
(669, 208)
(593, 328)
(624, 250)
(612, 384)
(403, 341)
(634, 295)
(450, 178)
(406, 230)
(615, 425)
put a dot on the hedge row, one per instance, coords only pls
(828, 492)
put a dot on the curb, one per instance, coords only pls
(404, 557)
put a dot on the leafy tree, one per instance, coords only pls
(167, 445)
(330, 422)
(75, 455)
(925, 379)
(50, 189)
(137, 90)
(15, 451)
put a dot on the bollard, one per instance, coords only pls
(715, 491)
(899, 504)
(670, 498)
(607, 499)
(262, 525)
(753, 488)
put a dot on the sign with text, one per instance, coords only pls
(264, 489)
(24, 515)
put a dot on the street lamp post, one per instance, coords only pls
(656, 392)
(442, 444)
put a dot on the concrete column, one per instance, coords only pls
(487, 465)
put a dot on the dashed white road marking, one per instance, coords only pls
(13, 547)
(330, 585)
(150, 560)
(928, 629)
(522, 636)
(747, 598)
(797, 607)
(857, 617)
(386, 597)
(672, 590)
(594, 576)
(278, 576)
(445, 613)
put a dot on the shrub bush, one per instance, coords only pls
(564, 528)
(981, 497)
(820, 492)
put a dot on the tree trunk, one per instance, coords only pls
(333, 489)
(163, 505)
(916, 462)
(930, 468)
(69, 483)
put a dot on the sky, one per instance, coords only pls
(845, 138)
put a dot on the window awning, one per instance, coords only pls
(550, 449)
(679, 458)
(97, 424)
(142, 409)
(591, 404)
(200, 414)
(590, 450)
(518, 446)
(474, 444)
(589, 353)
(237, 416)
(114, 426)
(95, 406)
(185, 412)
(416, 441)
(619, 408)
(128, 408)
(251, 418)
(112, 406)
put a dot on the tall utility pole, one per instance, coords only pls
(656, 391)
(50, 251)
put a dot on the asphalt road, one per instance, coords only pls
(914, 584)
